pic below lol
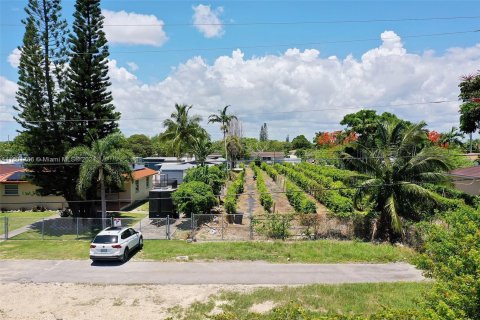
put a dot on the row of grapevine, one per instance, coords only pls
(230, 201)
(325, 181)
(332, 199)
(296, 196)
(265, 197)
(346, 176)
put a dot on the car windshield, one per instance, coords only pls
(105, 239)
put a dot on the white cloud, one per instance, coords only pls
(207, 21)
(126, 28)
(132, 66)
(7, 100)
(302, 80)
(14, 58)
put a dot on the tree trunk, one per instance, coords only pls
(471, 142)
(226, 151)
(102, 195)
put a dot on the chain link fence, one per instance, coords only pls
(198, 227)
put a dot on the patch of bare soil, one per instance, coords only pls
(263, 307)
(45, 301)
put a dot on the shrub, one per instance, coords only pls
(212, 176)
(265, 197)
(274, 226)
(194, 197)
(230, 201)
(452, 257)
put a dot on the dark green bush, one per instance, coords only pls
(265, 197)
(230, 201)
(194, 197)
(212, 176)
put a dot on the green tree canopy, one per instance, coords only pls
(140, 145)
(300, 142)
(212, 176)
(194, 197)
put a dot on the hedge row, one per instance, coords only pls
(346, 176)
(265, 197)
(325, 181)
(230, 201)
(452, 193)
(332, 199)
(295, 195)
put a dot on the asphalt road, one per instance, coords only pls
(136, 272)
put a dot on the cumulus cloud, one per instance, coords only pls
(259, 88)
(207, 21)
(126, 28)
(7, 100)
(14, 58)
(132, 66)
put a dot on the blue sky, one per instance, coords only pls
(167, 71)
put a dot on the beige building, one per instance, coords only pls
(17, 193)
(467, 180)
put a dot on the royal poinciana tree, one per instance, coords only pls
(41, 95)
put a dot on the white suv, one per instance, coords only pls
(115, 243)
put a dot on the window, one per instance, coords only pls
(105, 239)
(11, 190)
(137, 186)
(147, 183)
(126, 234)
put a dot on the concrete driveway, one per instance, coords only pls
(137, 272)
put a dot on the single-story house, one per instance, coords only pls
(175, 171)
(132, 191)
(17, 193)
(467, 180)
(156, 162)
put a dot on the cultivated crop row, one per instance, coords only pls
(346, 176)
(296, 196)
(230, 202)
(265, 196)
(332, 199)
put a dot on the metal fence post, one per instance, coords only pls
(168, 227)
(223, 224)
(76, 219)
(6, 227)
(43, 228)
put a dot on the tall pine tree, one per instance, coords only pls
(88, 96)
(41, 92)
(88, 81)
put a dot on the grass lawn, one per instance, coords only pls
(317, 300)
(68, 229)
(21, 219)
(322, 251)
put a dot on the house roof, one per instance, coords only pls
(276, 154)
(472, 172)
(177, 167)
(8, 174)
(142, 173)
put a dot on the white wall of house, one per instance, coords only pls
(25, 197)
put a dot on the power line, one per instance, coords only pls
(247, 114)
(277, 45)
(276, 23)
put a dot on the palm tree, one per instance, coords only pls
(106, 162)
(224, 119)
(452, 137)
(201, 149)
(397, 164)
(182, 130)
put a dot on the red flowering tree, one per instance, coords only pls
(434, 137)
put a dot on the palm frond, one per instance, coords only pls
(390, 208)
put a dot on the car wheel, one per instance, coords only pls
(140, 243)
(125, 255)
